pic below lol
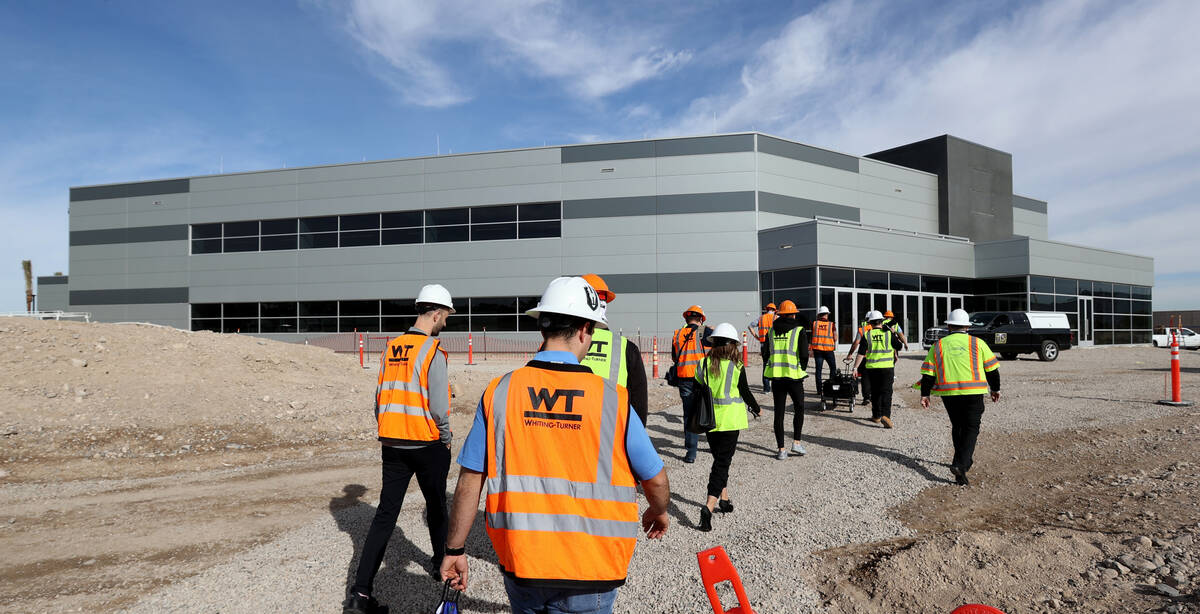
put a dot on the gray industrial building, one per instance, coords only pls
(729, 222)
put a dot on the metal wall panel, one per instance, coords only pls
(609, 169)
(863, 248)
(641, 225)
(1066, 260)
(1002, 258)
(899, 174)
(245, 196)
(52, 297)
(533, 193)
(1030, 224)
(788, 247)
(492, 177)
(360, 187)
(242, 181)
(742, 162)
(693, 184)
(497, 159)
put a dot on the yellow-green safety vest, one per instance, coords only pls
(960, 363)
(879, 352)
(784, 361)
(606, 357)
(728, 406)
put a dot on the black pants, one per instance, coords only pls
(722, 444)
(781, 389)
(966, 413)
(881, 391)
(820, 356)
(430, 464)
(864, 383)
(765, 357)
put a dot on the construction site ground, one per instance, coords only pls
(149, 469)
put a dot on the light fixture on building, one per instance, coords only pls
(786, 246)
(606, 170)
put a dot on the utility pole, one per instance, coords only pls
(27, 267)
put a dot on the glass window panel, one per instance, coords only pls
(1103, 320)
(541, 211)
(213, 325)
(1007, 285)
(1122, 321)
(278, 242)
(206, 310)
(1104, 337)
(398, 324)
(398, 307)
(1122, 337)
(403, 237)
(767, 297)
(795, 278)
(1103, 305)
(493, 232)
(319, 308)
(458, 323)
(1122, 306)
(1143, 322)
(985, 286)
(318, 325)
(804, 299)
(959, 285)
(246, 325)
(843, 278)
(241, 229)
(1066, 286)
(277, 325)
(446, 234)
(504, 304)
(240, 310)
(402, 219)
(320, 240)
(1142, 292)
(526, 323)
(864, 305)
(1037, 283)
(933, 283)
(493, 323)
(1041, 302)
(361, 221)
(928, 319)
(240, 244)
(206, 231)
(359, 308)
(826, 300)
(362, 324)
(1141, 336)
(877, 280)
(1073, 319)
(1120, 291)
(447, 217)
(1064, 304)
(319, 224)
(484, 215)
(279, 227)
(359, 238)
(525, 303)
(539, 230)
(1100, 288)
(1085, 288)
(278, 310)
(906, 281)
(1142, 307)
(206, 246)
(764, 281)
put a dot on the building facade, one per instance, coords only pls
(728, 222)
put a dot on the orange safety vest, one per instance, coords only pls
(689, 354)
(824, 337)
(402, 398)
(764, 326)
(561, 493)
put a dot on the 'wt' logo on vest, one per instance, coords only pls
(597, 349)
(400, 353)
(543, 397)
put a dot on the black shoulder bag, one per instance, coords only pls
(703, 417)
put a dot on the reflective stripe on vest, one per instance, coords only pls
(824, 336)
(784, 361)
(559, 485)
(690, 354)
(402, 398)
(960, 363)
(879, 353)
(606, 356)
(764, 326)
(728, 406)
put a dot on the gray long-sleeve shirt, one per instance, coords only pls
(439, 397)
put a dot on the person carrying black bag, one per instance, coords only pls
(720, 371)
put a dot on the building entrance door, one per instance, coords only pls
(1086, 335)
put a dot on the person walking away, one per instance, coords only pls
(786, 368)
(877, 355)
(960, 368)
(761, 328)
(860, 335)
(614, 355)
(562, 456)
(687, 349)
(889, 318)
(412, 411)
(723, 371)
(823, 343)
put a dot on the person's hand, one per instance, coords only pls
(757, 414)
(995, 395)
(454, 569)
(925, 402)
(655, 525)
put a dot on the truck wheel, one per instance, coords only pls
(1008, 355)
(1049, 351)
(1155, 342)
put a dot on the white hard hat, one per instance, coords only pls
(725, 330)
(874, 315)
(571, 296)
(959, 317)
(822, 310)
(436, 294)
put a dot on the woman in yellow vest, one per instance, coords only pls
(786, 367)
(723, 371)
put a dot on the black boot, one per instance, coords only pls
(357, 604)
(726, 506)
(705, 520)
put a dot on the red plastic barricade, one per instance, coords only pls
(715, 568)
(976, 608)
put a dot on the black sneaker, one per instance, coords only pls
(726, 506)
(705, 520)
(357, 604)
(961, 480)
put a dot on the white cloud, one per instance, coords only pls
(418, 41)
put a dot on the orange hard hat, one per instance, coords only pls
(695, 310)
(889, 314)
(769, 306)
(601, 288)
(787, 308)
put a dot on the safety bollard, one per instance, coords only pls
(654, 353)
(360, 351)
(470, 350)
(745, 351)
(1176, 378)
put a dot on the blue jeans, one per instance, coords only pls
(687, 392)
(530, 600)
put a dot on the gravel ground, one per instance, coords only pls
(842, 493)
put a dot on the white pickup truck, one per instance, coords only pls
(1187, 338)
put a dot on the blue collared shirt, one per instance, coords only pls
(643, 458)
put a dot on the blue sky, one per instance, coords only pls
(1097, 101)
